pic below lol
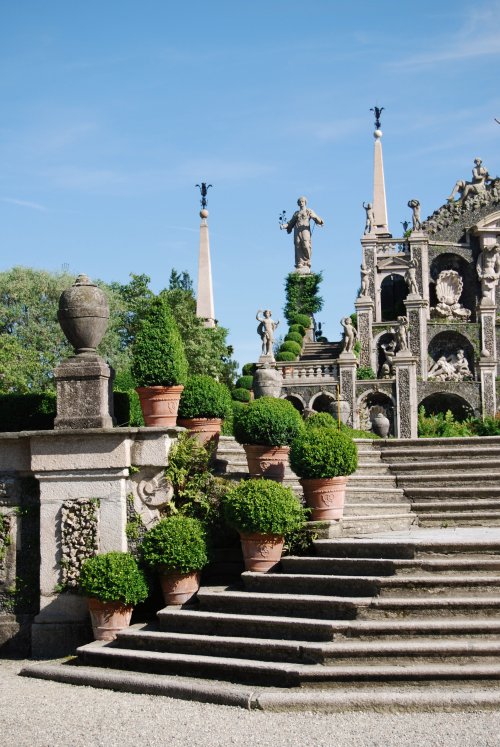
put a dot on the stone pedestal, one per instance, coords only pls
(364, 310)
(405, 367)
(487, 372)
(348, 363)
(419, 245)
(84, 386)
(486, 313)
(416, 311)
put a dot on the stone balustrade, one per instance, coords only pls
(308, 372)
(392, 247)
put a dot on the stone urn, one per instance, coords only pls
(83, 314)
(267, 382)
(381, 424)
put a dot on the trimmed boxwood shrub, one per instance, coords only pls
(158, 357)
(176, 543)
(249, 369)
(285, 355)
(323, 452)
(244, 382)
(365, 372)
(267, 422)
(27, 412)
(321, 420)
(302, 319)
(297, 329)
(227, 425)
(241, 395)
(291, 347)
(113, 577)
(263, 506)
(203, 397)
(294, 337)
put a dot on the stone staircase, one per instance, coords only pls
(320, 351)
(402, 621)
(448, 482)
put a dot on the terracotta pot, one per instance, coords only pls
(160, 404)
(267, 461)
(179, 588)
(206, 430)
(108, 618)
(261, 552)
(83, 314)
(325, 496)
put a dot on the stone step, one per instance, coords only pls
(363, 480)
(382, 567)
(363, 586)
(372, 508)
(440, 453)
(458, 492)
(449, 481)
(483, 505)
(393, 548)
(373, 493)
(352, 526)
(446, 466)
(460, 519)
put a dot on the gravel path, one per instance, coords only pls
(38, 713)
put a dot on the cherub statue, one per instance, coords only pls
(402, 333)
(416, 222)
(411, 277)
(365, 281)
(266, 331)
(350, 334)
(370, 218)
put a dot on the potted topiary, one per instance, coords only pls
(262, 511)
(324, 458)
(266, 428)
(114, 584)
(204, 404)
(176, 548)
(159, 364)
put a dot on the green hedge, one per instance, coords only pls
(241, 395)
(291, 347)
(302, 319)
(263, 506)
(113, 577)
(244, 382)
(203, 397)
(321, 420)
(297, 329)
(249, 369)
(227, 425)
(268, 422)
(177, 543)
(286, 356)
(294, 337)
(323, 453)
(27, 412)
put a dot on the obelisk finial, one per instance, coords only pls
(203, 191)
(205, 297)
(379, 201)
(377, 111)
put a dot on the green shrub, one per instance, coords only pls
(263, 506)
(27, 412)
(121, 407)
(355, 433)
(442, 425)
(203, 397)
(302, 297)
(227, 425)
(294, 337)
(267, 421)
(323, 452)
(303, 320)
(158, 357)
(176, 543)
(244, 382)
(365, 372)
(241, 395)
(296, 329)
(113, 577)
(488, 427)
(286, 356)
(249, 369)
(291, 347)
(321, 420)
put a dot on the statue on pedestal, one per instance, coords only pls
(480, 177)
(402, 334)
(266, 331)
(415, 208)
(370, 218)
(365, 281)
(300, 224)
(350, 334)
(411, 278)
(488, 271)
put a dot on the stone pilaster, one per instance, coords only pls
(487, 373)
(486, 313)
(347, 363)
(364, 310)
(419, 246)
(416, 311)
(405, 366)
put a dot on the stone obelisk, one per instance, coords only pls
(379, 202)
(205, 296)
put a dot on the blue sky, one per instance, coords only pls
(113, 111)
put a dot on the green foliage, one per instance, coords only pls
(323, 452)
(5, 539)
(303, 320)
(291, 347)
(286, 356)
(27, 412)
(158, 357)
(267, 421)
(487, 427)
(321, 420)
(354, 319)
(125, 384)
(302, 296)
(241, 395)
(365, 372)
(244, 382)
(113, 577)
(300, 541)
(355, 433)
(264, 506)
(294, 337)
(442, 425)
(176, 543)
(203, 397)
(299, 329)
(227, 425)
(249, 369)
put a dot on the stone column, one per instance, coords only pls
(416, 311)
(487, 372)
(364, 310)
(486, 313)
(347, 363)
(405, 366)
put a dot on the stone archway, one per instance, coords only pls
(296, 401)
(447, 343)
(441, 402)
(450, 261)
(393, 291)
(324, 402)
(371, 402)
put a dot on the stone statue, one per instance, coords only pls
(402, 334)
(449, 286)
(411, 278)
(350, 334)
(488, 271)
(387, 367)
(370, 218)
(365, 281)
(455, 367)
(266, 331)
(480, 177)
(416, 222)
(300, 223)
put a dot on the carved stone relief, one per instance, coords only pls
(449, 287)
(151, 492)
(453, 367)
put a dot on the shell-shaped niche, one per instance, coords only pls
(449, 286)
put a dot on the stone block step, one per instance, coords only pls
(462, 519)
(444, 627)
(446, 466)
(369, 481)
(381, 567)
(446, 493)
(394, 548)
(381, 522)
(373, 508)
(457, 505)
(440, 453)
(363, 586)
(247, 625)
(374, 492)
(436, 482)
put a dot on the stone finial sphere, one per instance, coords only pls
(204, 213)
(377, 134)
